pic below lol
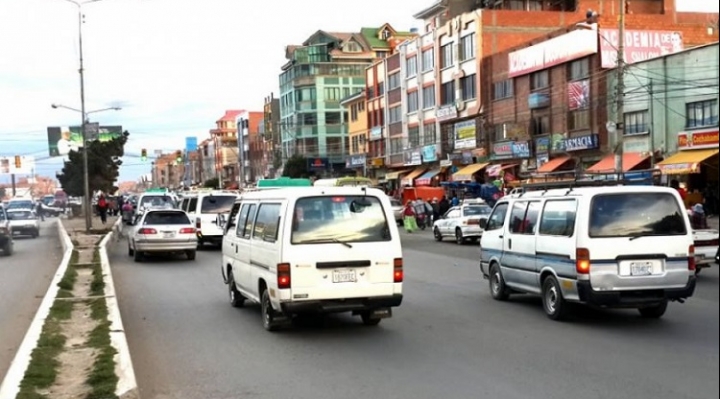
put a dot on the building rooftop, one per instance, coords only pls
(230, 115)
(353, 97)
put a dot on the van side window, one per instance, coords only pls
(183, 204)
(516, 217)
(232, 217)
(247, 230)
(242, 220)
(529, 225)
(266, 225)
(192, 206)
(497, 218)
(558, 218)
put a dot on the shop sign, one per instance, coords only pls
(376, 133)
(579, 143)
(639, 45)
(445, 163)
(355, 161)
(511, 149)
(680, 168)
(318, 163)
(697, 139)
(412, 158)
(377, 162)
(429, 153)
(466, 158)
(542, 145)
(465, 135)
(446, 112)
(558, 50)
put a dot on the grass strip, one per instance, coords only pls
(102, 378)
(67, 283)
(97, 285)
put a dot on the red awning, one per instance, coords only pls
(631, 160)
(553, 164)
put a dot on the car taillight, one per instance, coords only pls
(473, 221)
(398, 270)
(187, 230)
(198, 223)
(146, 230)
(283, 276)
(582, 261)
(691, 258)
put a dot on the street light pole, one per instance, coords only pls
(86, 177)
(620, 92)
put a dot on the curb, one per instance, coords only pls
(15, 374)
(127, 387)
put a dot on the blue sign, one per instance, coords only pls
(355, 161)
(429, 153)
(191, 144)
(542, 145)
(376, 133)
(521, 149)
(317, 164)
(579, 143)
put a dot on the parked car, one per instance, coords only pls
(462, 222)
(24, 222)
(162, 231)
(706, 247)
(6, 239)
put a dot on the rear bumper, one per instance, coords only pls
(634, 298)
(705, 256)
(210, 238)
(25, 230)
(165, 246)
(471, 231)
(342, 305)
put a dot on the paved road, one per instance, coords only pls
(448, 339)
(24, 280)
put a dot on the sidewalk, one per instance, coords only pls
(77, 224)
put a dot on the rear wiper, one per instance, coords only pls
(636, 236)
(326, 240)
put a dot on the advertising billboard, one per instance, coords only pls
(61, 140)
(8, 166)
(640, 45)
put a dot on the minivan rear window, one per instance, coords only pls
(636, 215)
(217, 203)
(346, 219)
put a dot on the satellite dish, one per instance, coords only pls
(611, 127)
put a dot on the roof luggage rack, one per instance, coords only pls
(641, 177)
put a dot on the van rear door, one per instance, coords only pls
(637, 240)
(343, 247)
(208, 207)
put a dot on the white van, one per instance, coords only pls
(618, 246)
(313, 250)
(203, 209)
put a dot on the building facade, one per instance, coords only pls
(354, 106)
(375, 105)
(271, 134)
(326, 68)
(248, 123)
(225, 142)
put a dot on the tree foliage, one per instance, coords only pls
(212, 183)
(103, 167)
(296, 167)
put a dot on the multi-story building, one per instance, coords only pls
(326, 68)
(271, 133)
(247, 123)
(206, 159)
(224, 138)
(167, 172)
(377, 143)
(357, 132)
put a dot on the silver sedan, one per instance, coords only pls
(162, 231)
(24, 222)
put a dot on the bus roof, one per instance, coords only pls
(283, 182)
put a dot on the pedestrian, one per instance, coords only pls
(102, 208)
(436, 209)
(39, 210)
(698, 220)
(444, 206)
(409, 217)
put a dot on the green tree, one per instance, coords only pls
(212, 183)
(103, 167)
(277, 160)
(296, 167)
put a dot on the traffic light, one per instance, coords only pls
(178, 156)
(18, 162)
(143, 154)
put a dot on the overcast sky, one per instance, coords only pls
(173, 66)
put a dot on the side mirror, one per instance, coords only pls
(483, 223)
(220, 220)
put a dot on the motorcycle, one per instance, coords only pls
(422, 221)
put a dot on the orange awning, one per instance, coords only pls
(607, 165)
(553, 164)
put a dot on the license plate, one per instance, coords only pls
(641, 268)
(168, 235)
(344, 276)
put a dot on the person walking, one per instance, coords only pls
(39, 210)
(409, 217)
(102, 208)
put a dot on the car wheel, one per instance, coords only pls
(137, 256)
(697, 270)
(8, 248)
(368, 320)
(131, 252)
(459, 239)
(268, 313)
(190, 255)
(35, 234)
(554, 304)
(498, 290)
(237, 300)
(655, 311)
(437, 234)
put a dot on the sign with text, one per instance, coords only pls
(558, 50)
(429, 153)
(465, 135)
(316, 164)
(412, 158)
(356, 161)
(62, 140)
(697, 139)
(579, 143)
(640, 45)
(510, 150)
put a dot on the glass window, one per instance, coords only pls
(702, 113)
(192, 205)
(558, 218)
(412, 101)
(411, 64)
(346, 219)
(395, 114)
(394, 81)
(467, 85)
(503, 89)
(529, 225)
(21, 215)
(539, 80)
(428, 60)
(242, 220)
(636, 123)
(578, 119)
(428, 97)
(447, 55)
(429, 133)
(579, 69)
(267, 222)
(517, 216)
(477, 210)
(636, 215)
(155, 201)
(497, 218)
(452, 214)
(332, 118)
(166, 218)
(217, 203)
(467, 47)
(447, 93)
(414, 136)
(245, 223)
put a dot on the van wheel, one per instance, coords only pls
(268, 313)
(368, 320)
(438, 236)
(697, 270)
(654, 312)
(553, 302)
(498, 290)
(130, 250)
(459, 239)
(190, 254)
(237, 300)
(137, 256)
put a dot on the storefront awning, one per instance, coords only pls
(631, 160)
(466, 173)
(396, 174)
(686, 162)
(554, 164)
(408, 180)
(494, 170)
(426, 179)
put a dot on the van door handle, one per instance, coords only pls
(501, 237)
(509, 243)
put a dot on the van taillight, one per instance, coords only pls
(398, 270)
(198, 223)
(283, 276)
(691, 258)
(582, 261)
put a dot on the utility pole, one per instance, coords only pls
(619, 96)
(86, 177)
(651, 128)
(12, 182)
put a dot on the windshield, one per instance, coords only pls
(20, 215)
(20, 205)
(166, 217)
(156, 200)
(477, 210)
(636, 214)
(348, 219)
(217, 203)
(395, 203)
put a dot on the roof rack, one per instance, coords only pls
(639, 177)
